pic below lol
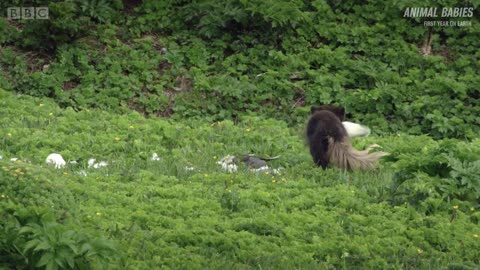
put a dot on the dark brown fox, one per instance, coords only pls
(329, 142)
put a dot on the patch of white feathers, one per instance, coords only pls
(155, 157)
(228, 164)
(92, 163)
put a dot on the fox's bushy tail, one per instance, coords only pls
(342, 155)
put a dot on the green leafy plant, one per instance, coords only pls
(37, 224)
(466, 178)
(51, 246)
(445, 170)
(99, 10)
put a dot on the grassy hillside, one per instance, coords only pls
(138, 213)
(218, 60)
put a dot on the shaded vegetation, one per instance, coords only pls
(217, 60)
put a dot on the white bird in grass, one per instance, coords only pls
(56, 160)
(356, 130)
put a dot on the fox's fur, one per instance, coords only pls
(329, 142)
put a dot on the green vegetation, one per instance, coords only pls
(193, 81)
(215, 60)
(416, 210)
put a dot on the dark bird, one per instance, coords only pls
(254, 162)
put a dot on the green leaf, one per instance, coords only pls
(43, 246)
(46, 258)
(52, 265)
(31, 244)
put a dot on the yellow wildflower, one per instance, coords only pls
(419, 251)
(131, 127)
(455, 207)
(98, 214)
(41, 104)
(475, 236)
(117, 139)
(248, 129)
(50, 114)
(2, 196)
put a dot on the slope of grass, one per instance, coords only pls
(162, 215)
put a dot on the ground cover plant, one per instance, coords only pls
(141, 213)
(157, 92)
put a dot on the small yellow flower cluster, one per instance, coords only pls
(17, 172)
(273, 179)
(3, 196)
(117, 139)
(419, 251)
(131, 127)
(455, 207)
(228, 190)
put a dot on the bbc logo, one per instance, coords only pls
(27, 13)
